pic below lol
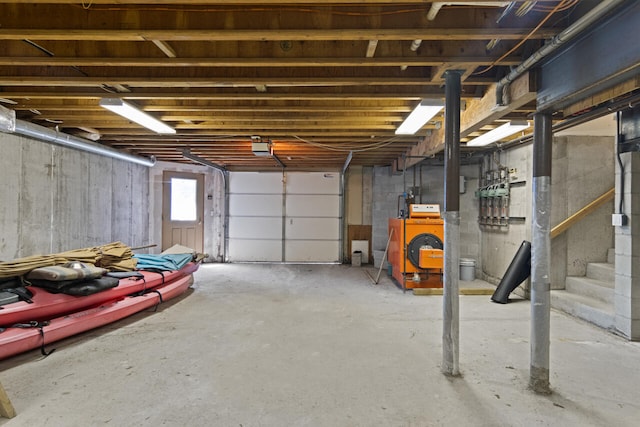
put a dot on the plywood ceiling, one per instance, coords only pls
(319, 80)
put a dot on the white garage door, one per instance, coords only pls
(291, 217)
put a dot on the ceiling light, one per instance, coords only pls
(424, 112)
(134, 114)
(499, 133)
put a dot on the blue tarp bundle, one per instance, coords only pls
(162, 262)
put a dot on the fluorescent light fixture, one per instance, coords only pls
(499, 133)
(424, 112)
(134, 114)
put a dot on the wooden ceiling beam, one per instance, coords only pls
(270, 34)
(282, 125)
(243, 2)
(334, 108)
(272, 117)
(109, 134)
(220, 82)
(413, 61)
(395, 94)
(214, 141)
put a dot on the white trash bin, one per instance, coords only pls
(356, 258)
(467, 269)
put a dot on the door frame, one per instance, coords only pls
(167, 175)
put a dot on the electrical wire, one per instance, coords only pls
(349, 147)
(557, 8)
(543, 8)
(248, 9)
(620, 164)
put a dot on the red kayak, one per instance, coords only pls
(47, 305)
(24, 337)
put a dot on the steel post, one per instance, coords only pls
(541, 254)
(451, 316)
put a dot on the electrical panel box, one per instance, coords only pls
(618, 220)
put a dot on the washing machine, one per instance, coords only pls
(416, 245)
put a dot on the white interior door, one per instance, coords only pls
(183, 210)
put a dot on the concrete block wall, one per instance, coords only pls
(55, 199)
(627, 253)
(589, 173)
(388, 186)
(582, 170)
(470, 246)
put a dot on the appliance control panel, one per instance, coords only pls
(424, 210)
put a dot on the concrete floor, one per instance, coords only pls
(318, 345)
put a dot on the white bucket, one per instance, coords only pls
(467, 269)
(356, 258)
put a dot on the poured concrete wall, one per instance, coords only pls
(55, 198)
(583, 169)
(500, 244)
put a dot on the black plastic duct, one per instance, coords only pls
(517, 272)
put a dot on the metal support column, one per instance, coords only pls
(451, 316)
(541, 254)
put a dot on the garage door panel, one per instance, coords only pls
(312, 205)
(255, 205)
(313, 183)
(311, 211)
(255, 182)
(312, 228)
(255, 250)
(312, 251)
(255, 228)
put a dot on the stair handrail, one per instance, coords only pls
(569, 222)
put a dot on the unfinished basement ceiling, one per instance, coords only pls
(315, 80)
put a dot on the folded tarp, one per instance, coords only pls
(114, 256)
(162, 262)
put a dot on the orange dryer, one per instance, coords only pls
(416, 247)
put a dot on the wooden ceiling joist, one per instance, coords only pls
(337, 34)
(319, 79)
